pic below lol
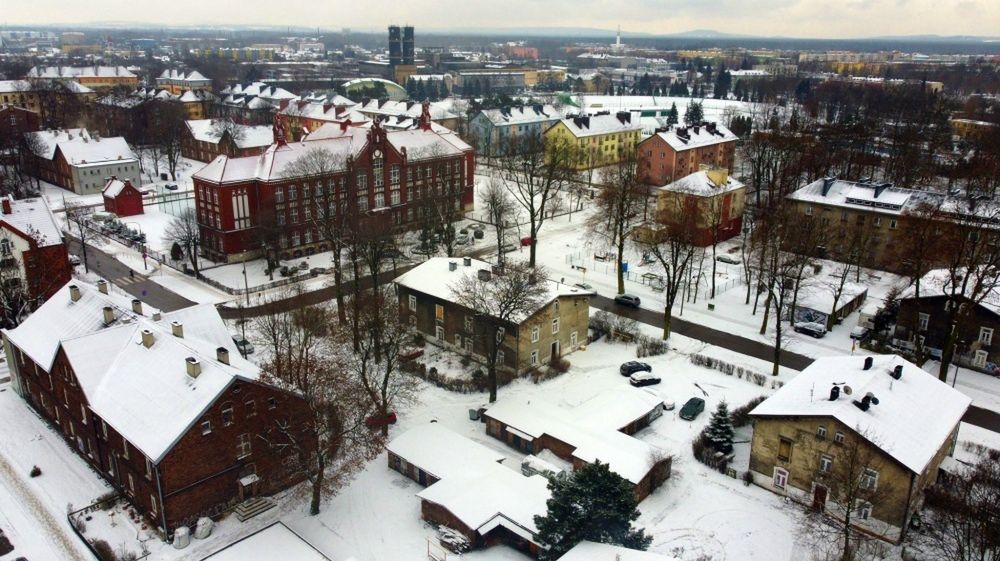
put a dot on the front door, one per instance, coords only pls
(819, 498)
(555, 350)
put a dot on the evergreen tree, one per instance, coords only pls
(592, 503)
(672, 115)
(411, 87)
(694, 114)
(421, 91)
(720, 429)
(443, 90)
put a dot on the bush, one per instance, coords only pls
(104, 550)
(35, 471)
(747, 478)
(465, 360)
(650, 346)
(740, 416)
(418, 339)
(560, 365)
(106, 500)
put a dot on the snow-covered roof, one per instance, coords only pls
(174, 75)
(591, 125)
(314, 110)
(915, 415)
(76, 87)
(881, 197)
(145, 394)
(434, 278)
(819, 296)
(522, 115)
(80, 72)
(79, 147)
(34, 218)
(205, 130)
(939, 282)
(685, 138)
(114, 187)
(593, 430)
(441, 452)
(702, 184)
(276, 542)
(259, 89)
(15, 86)
(616, 409)
(408, 108)
(483, 499)
(593, 551)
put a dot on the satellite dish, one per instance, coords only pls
(848, 390)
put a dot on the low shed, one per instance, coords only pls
(122, 198)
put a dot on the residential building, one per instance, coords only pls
(92, 77)
(493, 130)
(160, 404)
(33, 257)
(972, 129)
(676, 152)
(251, 100)
(487, 81)
(386, 175)
(556, 327)
(207, 139)
(81, 162)
(598, 429)
(711, 196)
(468, 490)
(20, 93)
(14, 122)
(878, 216)
(196, 103)
(924, 322)
(595, 140)
(122, 198)
(304, 116)
(440, 115)
(178, 82)
(873, 430)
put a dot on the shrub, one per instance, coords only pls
(418, 339)
(650, 346)
(106, 500)
(35, 471)
(104, 551)
(747, 478)
(465, 360)
(740, 416)
(560, 365)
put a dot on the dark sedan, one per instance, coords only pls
(633, 366)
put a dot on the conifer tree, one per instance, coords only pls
(720, 429)
(672, 115)
(592, 503)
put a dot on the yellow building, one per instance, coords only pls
(595, 140)
(858, 435)
(20, 93)
(971, 128)
(715, 199)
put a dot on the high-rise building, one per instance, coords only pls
(408, 57)
(395, 45)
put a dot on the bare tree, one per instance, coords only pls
(964, 513)
(534, 170)
(334, 442)
(619, 206)
(778, 272)
(673, 248)
(500, 208)
(222, 127)
(78, 215)
(184, 230)
(919, 249)
(168, 127)
(499, 302)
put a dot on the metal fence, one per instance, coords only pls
(606, 264)
(75, 517)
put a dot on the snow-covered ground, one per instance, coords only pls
(982, 388)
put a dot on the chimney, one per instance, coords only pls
(718, 176)
(827, 183)
(74, 293)
(147, 338)
(193, 366)
(834, 393)
(222, 355)
(102, 285)
(157, 316)
(467, 261)
(109, 314)
(6, 205)
(897, 372)
(452, 266)
(868, 363)
(484, 274)
(177, 328)
(137, 306)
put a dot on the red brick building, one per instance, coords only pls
(676, 152)
(160, 404)
(372, 171)
(207, 139)
(14, 121)
(33, 257)
(121, 198)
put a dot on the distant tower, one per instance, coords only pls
(408, 57)
(395, 45)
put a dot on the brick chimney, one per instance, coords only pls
(222, 355)
(137, 306)
(147, 338)
(6, 205)
(74, 293)
(177, 328)
(193, 366)
(109, 314)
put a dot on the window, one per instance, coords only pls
(784, 449)
(458, 340)
(131, 484)
(468, 323)
(251, 408)
(243, 446)
(272, 403)
(809, 211)
(986, 336)
(152, 504)
(863, 510)
(780, 478)
(922, 321)
(124, 448)
(291, 193)
(206, 427)
(869, 479)
(979, 359)
(104, 429)
(534, 334)
(468, 344)
(439, 333)
(534, 358)
(892, 224)
(413, 303)
(825, 463)
(572, 339)
(821, 432)
(500, 334)
(149, 469)
(439, 312)
(839, 437)
(227, 414)
(555, 326)
(500, 357)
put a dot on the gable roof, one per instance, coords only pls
(115, 186)
(522, 115)
(591, 125)
(33, 217)
(80, 72)
(593, 551)
(685, 138)
(276, 542)
(701, 184)
(914, 417)
(79, 147)
(255, 136)
(939, 283)
(441, 452)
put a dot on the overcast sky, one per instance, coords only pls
(797, 18)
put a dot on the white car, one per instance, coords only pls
(726, 258)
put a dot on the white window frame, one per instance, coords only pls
(862, 510)
(821, 432)
(979, 359)
(555, 326)
(869, 479)
(534, 334)
(780, 478)
(923, 320)
(500, 357)
(986, 335)
(152, 505)
(413, 303)
(534, 358)
(838, 437)
(206, 427)
(243, 446)
(573, 339)
(458, 340)
(825, 463)
(439, 332)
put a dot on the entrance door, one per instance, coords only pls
(819, 498)
(247, 482)
(555, 350)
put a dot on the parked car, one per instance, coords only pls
(74, 260)
(860, 333)
(627, 300)
(640, 379)
(508, 247)
(633, 366)
(171, 186)
(377, 421)
(242, 345)
(478, 234)
(526, 241)
(317, 271)
(692, 408)
(584, 286)
(725, 258)
(810, 328)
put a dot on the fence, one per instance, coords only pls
(607, 265)
(730, 369)
(74, 519)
